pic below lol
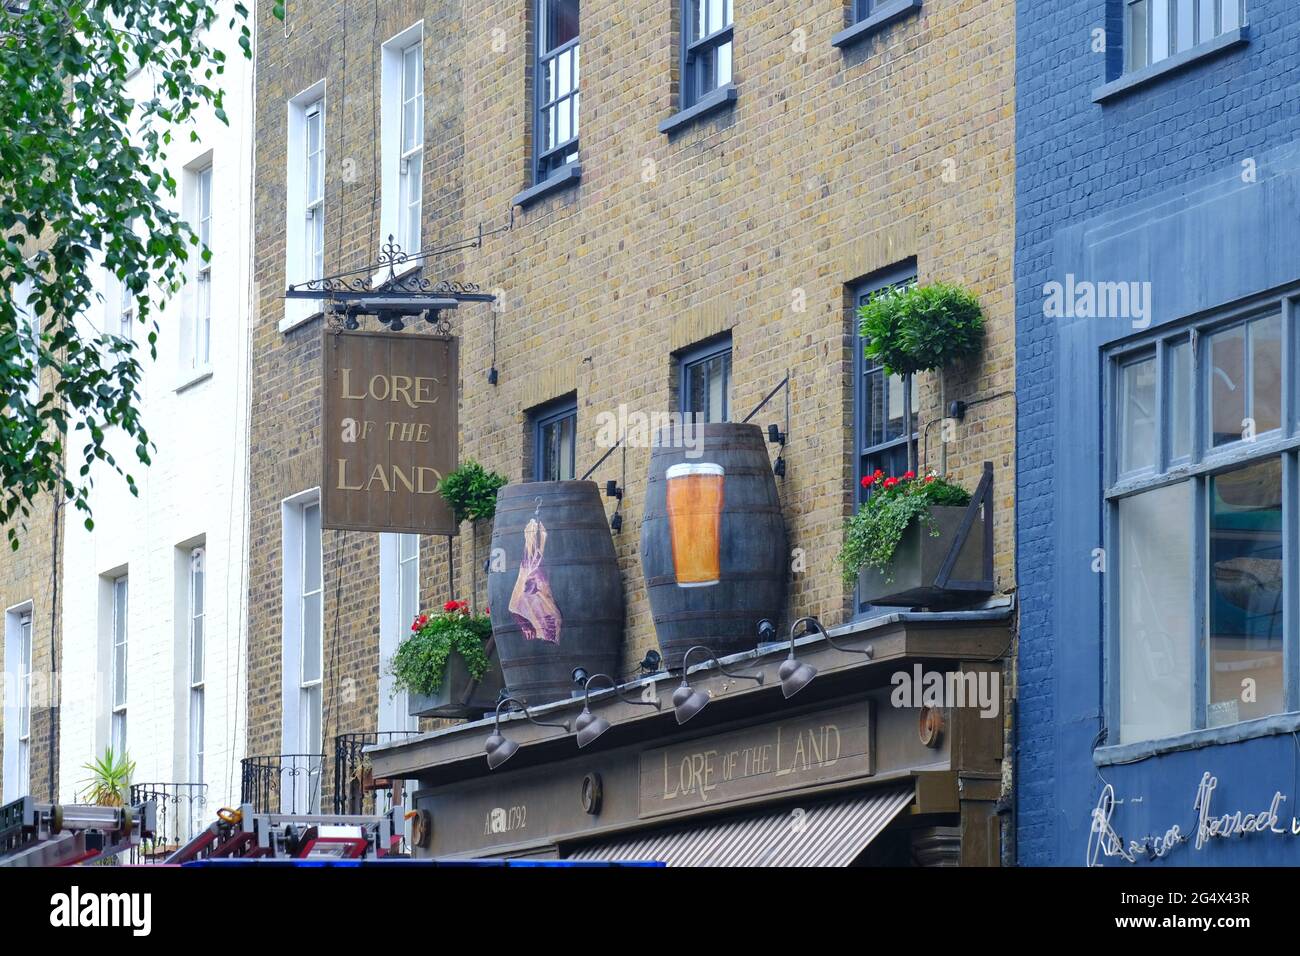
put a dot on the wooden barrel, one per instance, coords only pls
(554, 588)
(713, 544)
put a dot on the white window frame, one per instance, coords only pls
(397, 609)
(31, 331)
(402, 204)
(201, 329)
(119, 643)
(302, 782)
(197, 675)
(18, 702)
(304, 211)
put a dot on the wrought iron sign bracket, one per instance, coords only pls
(401, 294)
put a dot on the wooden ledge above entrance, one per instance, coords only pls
(958, 640)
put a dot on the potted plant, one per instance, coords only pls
(448, 666)
(920, 328)
(109, 783)
(471, 491)
(913, 542)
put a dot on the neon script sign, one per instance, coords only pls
(1105, 841)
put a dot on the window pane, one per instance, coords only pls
(1137, 422)
(699, 19)
(196, 736)
(1160, 28)
(559, 23)
(1266, 373)
(1227, 392)
(1185, 25)
(1207, 20)
(894, 426)
(724, 65)
(1138, 34)
(196, 651)
(874, 407)
(311, 548)
(311, 637)
(566, 449)
(1246, 678)
(1155, 613)
(1231, 14)
(1180, 400)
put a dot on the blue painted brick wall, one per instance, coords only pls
(1076, 159)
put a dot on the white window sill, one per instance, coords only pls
(291, 322)
(1137, 79)
(194, 378)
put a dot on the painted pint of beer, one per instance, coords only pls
(694, 499)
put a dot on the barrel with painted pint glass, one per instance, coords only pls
(554, 589)
(713, 543)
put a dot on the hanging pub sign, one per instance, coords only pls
(389, 430)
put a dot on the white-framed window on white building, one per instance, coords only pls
(305, 200)
(18, 703)
(197, 668)
(117, 738)
(402, 113)
(29, 328)
(302, 654)
(399, 583)
(196, 336)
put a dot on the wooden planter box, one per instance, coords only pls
(952, 569)
(461, 696)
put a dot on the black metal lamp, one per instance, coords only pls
(687, 700)
(795, 674)
(500, 748)
(588, 725)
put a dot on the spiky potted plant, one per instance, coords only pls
(109, 783)
(448, 665)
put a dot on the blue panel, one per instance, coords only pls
(1190, 182)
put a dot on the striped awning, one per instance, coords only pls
(832, 834)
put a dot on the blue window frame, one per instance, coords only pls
(557, 100)
(880, 401)
(1155, 30)
(555, 429)
(1202, 523)
(705, 388)
(707, 35)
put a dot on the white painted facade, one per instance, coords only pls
(195, 408)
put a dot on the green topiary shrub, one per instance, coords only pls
(471, 490)
(920, 328)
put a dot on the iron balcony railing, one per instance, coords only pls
(282, 783)
(181, 811)
(356, 790)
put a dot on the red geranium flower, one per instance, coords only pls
(419, 622)
(451, 606)
(866, 482)
(929, 478)
(890, 482)
(909, 474)
(878, 475)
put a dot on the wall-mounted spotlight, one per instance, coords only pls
(500, 748)
(778, 469)
(795, 674)
(775, 436)
(688, 701)
(612, 490)
(590, 726)
(651, 663)
(492, 375)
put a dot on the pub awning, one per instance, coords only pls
(824, 834)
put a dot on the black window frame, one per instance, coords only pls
(543, 417)
(699, 56)
(548, 162)
(690, 362)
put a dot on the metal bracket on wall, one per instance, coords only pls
(983, 498)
